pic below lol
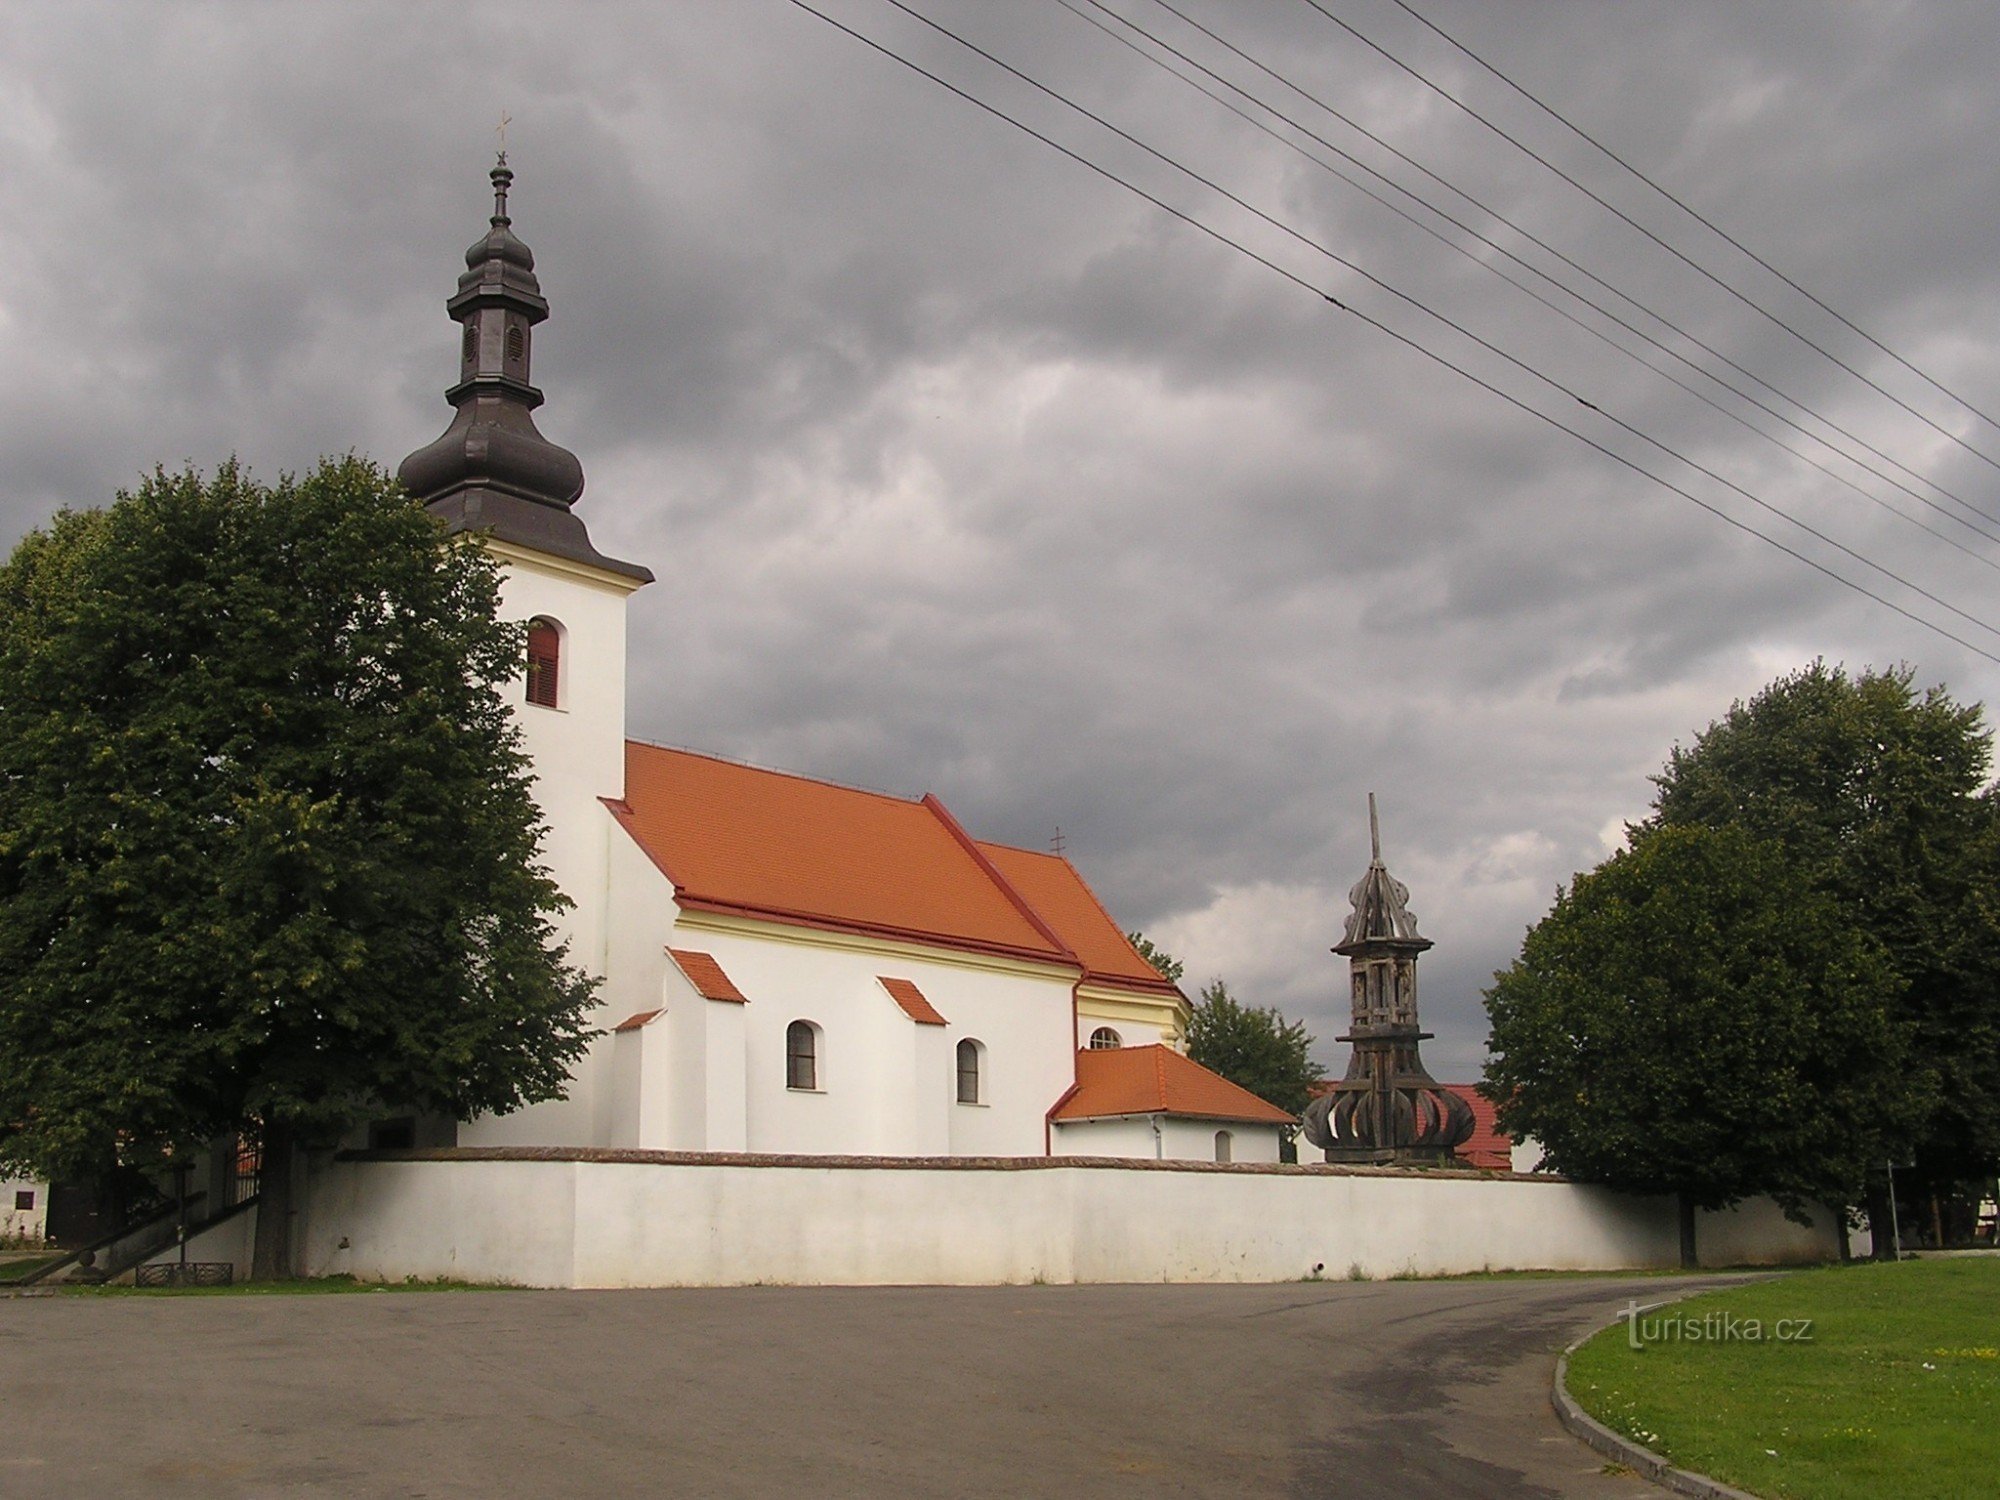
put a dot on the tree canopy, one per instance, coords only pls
(267, 840)
(1694, 1017)
(1254, 1047)
(1876, 792)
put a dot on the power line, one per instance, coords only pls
(1457, 327)
(1439, 359)
(1547, 248)
(1673, 250)
(1692, 212)
(1568, 316)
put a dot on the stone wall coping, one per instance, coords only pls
(627, 1156)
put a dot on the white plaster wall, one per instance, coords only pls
(663, 1223)
(511, 1222)
(883, 1086)
(1129, 1136)
(232, 1240)
(577, 750)
(1178, 1140)
(23, 1223)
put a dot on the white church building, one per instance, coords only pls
(787, 966)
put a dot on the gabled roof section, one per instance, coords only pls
(1157, 1080)
(912, 1000)
(634, 1022)
(1067, 904)
(705, 974)
(739, 840)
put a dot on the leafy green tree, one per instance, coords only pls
(1254, 1047)
(267, 841)
(1693, 1017)
(1168, 967)
(1877, 793)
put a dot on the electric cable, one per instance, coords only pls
(1531, 238)
(1673, 250)
(1568, 316)
(1692, 212)
(1457, 327)
(1436, 358)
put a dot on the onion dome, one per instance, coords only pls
(492, 471)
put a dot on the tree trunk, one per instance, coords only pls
(271, 1259)
(1690, 1261)
(1839, 1212)
(1880, 1221)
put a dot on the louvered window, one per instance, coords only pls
(544, 662)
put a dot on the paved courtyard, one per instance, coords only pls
(1433, 1389)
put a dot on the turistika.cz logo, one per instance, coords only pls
(1670, 1326)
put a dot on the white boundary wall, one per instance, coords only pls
(630, 1218)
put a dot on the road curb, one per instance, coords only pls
(1622, 1449)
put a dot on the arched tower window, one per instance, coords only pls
(1224, 1145)
(544, 662)
(970, 1069)
(1104, 1038)
(802, 1056)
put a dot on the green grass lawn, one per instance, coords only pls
(20, 1267)
(1897, 1392)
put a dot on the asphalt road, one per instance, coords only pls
(1418, 1390)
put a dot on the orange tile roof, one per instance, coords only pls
(915, 1006)
(736, 839)
(633, 1023)
(1489, 1146)
(706, 975)
(1056, 891)
(1157, 1080)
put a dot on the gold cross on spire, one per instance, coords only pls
(501, 131)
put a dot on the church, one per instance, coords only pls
(786, 966)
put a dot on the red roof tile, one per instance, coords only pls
(706, 975)
(1069, 906)
(1488, 1147)
(633, 1023)
(733, 838)
(915, 1006)
(1157, 1080)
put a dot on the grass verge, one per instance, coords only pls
(20, 1268)
(1895, 1390)
(306, 1286)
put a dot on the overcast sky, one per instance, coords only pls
(964, 470)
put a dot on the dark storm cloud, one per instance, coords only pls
(964, 471)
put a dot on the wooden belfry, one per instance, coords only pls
(1387, 1109)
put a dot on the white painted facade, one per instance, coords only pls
(1168, 1138)
(24, 1210)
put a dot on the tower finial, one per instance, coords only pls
(503, 177)
(1374, 832)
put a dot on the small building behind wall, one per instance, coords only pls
(1153, 1102)
(24, 1207)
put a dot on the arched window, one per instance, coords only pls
(969, 1069)
(544, 662)
(1105, 1038)
(1223, 1144)
(802, 1056)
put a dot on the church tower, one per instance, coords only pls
(493, 473)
